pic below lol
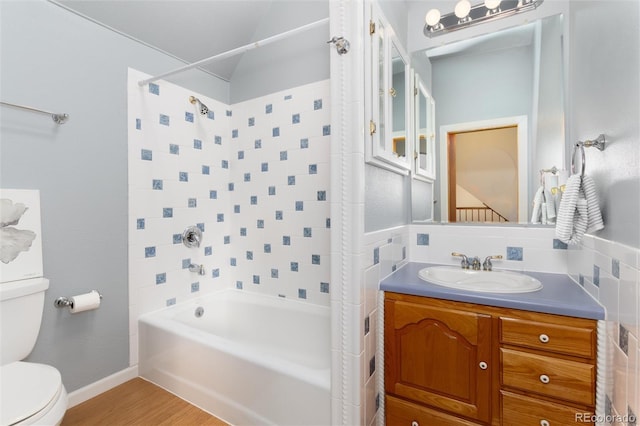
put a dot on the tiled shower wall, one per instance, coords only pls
(253, 176)
(610, 272)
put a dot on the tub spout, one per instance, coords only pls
(197, 268)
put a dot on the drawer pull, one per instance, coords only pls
(544, 338)
(414, 423)
(544, 423)
(483, 365)
(544, 378)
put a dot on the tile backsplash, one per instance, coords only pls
(253, 176)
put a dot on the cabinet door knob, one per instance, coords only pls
(544, 378)
(483, 365)
(414, 423)
(544, 338)
(544, 422)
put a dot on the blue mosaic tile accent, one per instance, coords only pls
(247, 177)
(232, 261)
(514, 253)
(254, 200)
(272, 190)
(213, 194)
(140, 224)
(328, 223)
(615, 268)
(186, 263)
(154, 89)
(234, 133)
(192, 203)
(257, 144)
(188, 116)
(404, 253)
(299, 206)
(313, 169)
(215, 273)
(211, 115)
(581, 279)
(596, 275)
(236, 208)
(161, 278)
(177, 238)
(283, 155)
(184, 177)
(557, 244)
(279, 215)
(295, 119)
(366, 326)
(608, 406)
(317, 104)
(165, 120)
(171, 302)
(252, 121)
(239, 285)
(275, 132)
(393, 268)
(225, 164)
(217, 140)
(227, 239)
(324, 287)
(376, 255)
(206, 170)
(632, 418)
(220, 217)
(249, 255)
(208, 250)
(274, 273)
(294, 266)
(138, 124)
(291, 180)
(174, 149)
(229, 113)
(304, 143)
(423, 239)
(322, 195)
(156, 184)
(256, 279)
(326, 130)
(167, 212)
(268, 109)
(288, 97)
(197, 144)
(146, 154)
(302, 293)
(307, 232)
(260, 223)
(623, 339)
(231, 186)
(315, 259)
(372, 366)
(240, 155)
(195, 287)
(264, 167)
(200, 226)
(286, 240)
(243, 232)
(150, 252)
(267, 248)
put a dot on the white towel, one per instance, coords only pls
(537, 205)
(579, 210)
(550, 205)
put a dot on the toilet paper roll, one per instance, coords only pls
(85, 302)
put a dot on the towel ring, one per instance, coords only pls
(573, 158)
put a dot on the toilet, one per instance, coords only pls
(30, 393)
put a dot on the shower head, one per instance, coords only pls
(203, 108)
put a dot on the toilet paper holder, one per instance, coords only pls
(64, 302)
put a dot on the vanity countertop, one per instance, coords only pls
(559, 295)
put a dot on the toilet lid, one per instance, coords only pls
(27, 388)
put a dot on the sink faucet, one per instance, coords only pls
(487, 265)
(197, 268)
(465, 260)
(475, 263)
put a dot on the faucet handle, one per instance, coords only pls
(465, 260)
(487, 265)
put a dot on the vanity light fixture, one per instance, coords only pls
(465, 15)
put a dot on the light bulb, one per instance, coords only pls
(462, 9)
(492, 4)
(433, 17)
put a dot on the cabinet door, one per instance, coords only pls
(439, 357)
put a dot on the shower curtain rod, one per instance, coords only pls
(237, 50)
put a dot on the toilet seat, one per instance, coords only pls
(30, 392)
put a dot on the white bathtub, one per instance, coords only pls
(249, 359)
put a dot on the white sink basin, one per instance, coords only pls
(480, 281)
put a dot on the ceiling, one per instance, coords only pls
(192, 30)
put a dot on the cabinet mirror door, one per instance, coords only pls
(424, 137)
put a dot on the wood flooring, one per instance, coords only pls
(138, 402)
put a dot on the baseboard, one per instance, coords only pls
(79, 396)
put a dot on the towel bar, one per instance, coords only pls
(599, 143)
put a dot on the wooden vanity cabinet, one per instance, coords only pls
(454, 363)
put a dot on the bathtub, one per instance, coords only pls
(246, 358)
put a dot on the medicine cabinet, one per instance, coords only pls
(424, 131)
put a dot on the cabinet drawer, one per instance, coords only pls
(402, 413)
(565, 339)
(525, 411)
(553, 377)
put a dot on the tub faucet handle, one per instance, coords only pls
(197, 268)
(465, 260)
(487, 265)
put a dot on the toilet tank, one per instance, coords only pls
(21, 306)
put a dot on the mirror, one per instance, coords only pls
(513, 73)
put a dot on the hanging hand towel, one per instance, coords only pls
(537, 205)
(576, 209)
(594, 216)
(550, 205)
